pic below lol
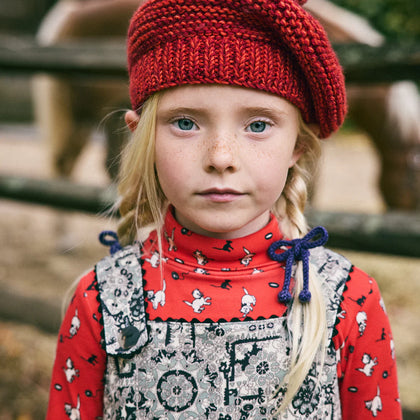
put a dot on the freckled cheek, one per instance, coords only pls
(270, 163)
(173, 165)
(270, 175)
(167, 169)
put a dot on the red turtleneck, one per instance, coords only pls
(213, 279)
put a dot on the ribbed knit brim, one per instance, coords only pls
(275, 46)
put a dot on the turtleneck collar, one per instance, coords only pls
(227, 279)
(240, 253)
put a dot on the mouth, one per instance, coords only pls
(221, 195)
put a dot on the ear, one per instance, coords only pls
(297, 153)
(131, 119)
(300, 148)
(314, 128)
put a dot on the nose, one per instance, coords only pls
(222, 155)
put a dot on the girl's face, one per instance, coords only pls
(222, 156)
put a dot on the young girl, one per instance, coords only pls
(229, 308)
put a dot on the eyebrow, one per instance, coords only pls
(176, 111)
(245, 110)
(272, 112)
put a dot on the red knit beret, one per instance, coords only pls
(271, 45)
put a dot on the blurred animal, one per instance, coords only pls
(388, 113)
(69, 110)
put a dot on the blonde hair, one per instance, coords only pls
(143, 203)
(307, 324)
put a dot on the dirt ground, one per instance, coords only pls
(43, 251)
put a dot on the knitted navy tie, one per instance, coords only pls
(112, 243)
(298, 251)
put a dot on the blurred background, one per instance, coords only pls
(63, 94)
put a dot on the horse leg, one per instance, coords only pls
(390, 115)
(64, 137)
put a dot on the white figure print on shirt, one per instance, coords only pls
(200, 270)
(158, 298)
(382, 304)
(247, 303)
(392, 346)
(375, 404)
(155, 259)
(247, 258)
(75, 324)
(199, 302)
(70, 371)
(73, 413)
(368, 363)
(361, 319)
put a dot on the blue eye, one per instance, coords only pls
(185, 124)
(257, 126)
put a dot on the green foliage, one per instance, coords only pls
(397, 19)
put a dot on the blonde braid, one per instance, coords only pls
(306, 322)
(290, 207)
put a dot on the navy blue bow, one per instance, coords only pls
(298, 251)
(112, 243)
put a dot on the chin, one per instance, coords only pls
(226, 231)
(228, 225)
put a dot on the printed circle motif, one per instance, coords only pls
(262, 368)
(177, 390)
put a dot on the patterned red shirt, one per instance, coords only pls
(212, 279)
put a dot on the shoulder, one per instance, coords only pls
(362, 297)
(360, 283)
(86, 281)
(85, 286)
(362, 307)
(85, 297)
(353, 292)
(361, 293)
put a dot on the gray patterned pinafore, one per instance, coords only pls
(222, 371)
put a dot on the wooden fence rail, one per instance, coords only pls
(390, 233)
(362, 64)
